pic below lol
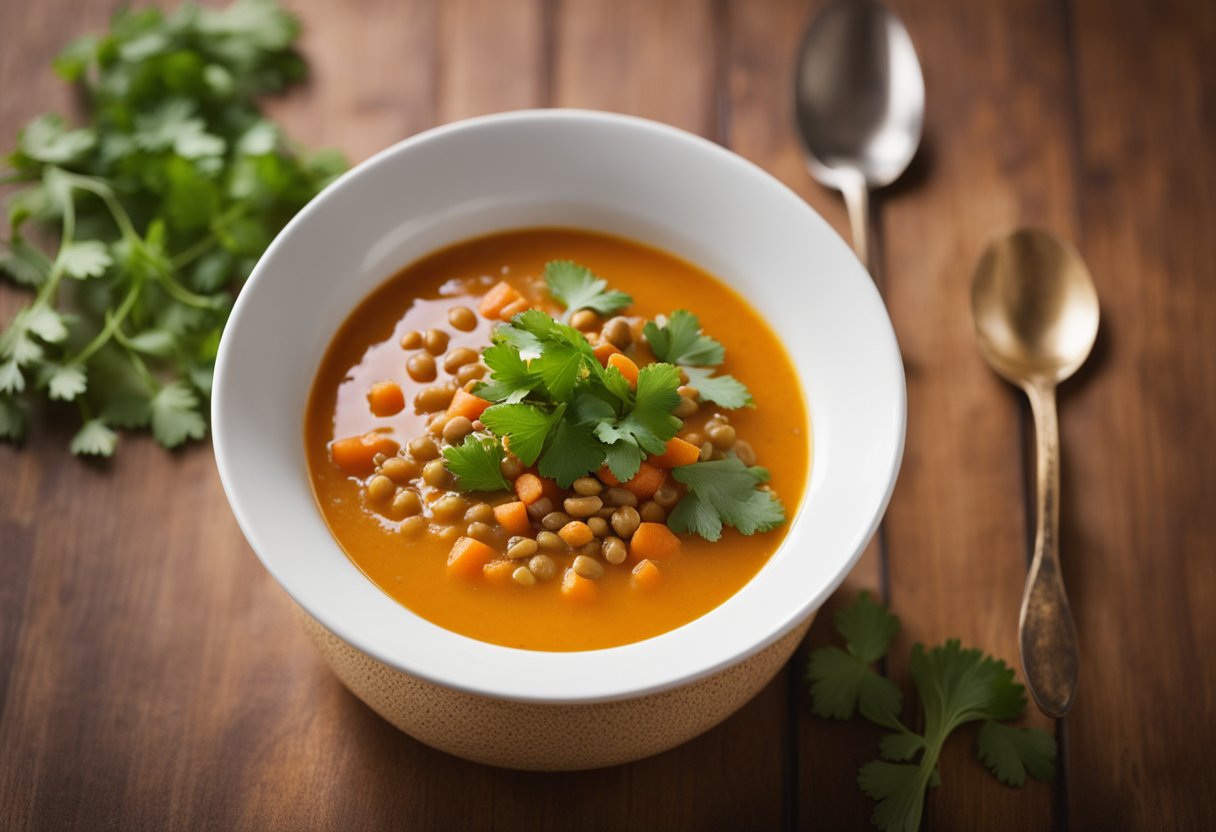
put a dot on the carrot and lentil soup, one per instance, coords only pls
(557, 440)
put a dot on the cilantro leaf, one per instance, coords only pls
(94, 439)
(476, 464)
(84, 259)
(46, 323)
(510, 380)
(728, 489)
(12, 380)
(726, 391)
(840, 683)
(65, 382)
(867, 627)
(12, 418)
(1011, 752)
(525, 425)
(26, 265)
(680, 341)
(899, 790)
(575, 287)
(958, 685)
(175, 417)
(624, 458)
(651, 422)
(573, 452)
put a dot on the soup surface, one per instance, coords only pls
(401, 371)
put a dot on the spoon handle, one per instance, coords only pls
(857, 201)
(1047, 636)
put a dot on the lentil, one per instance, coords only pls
(470, 372)
(589, 549)
(463, 318)
(378, 459)
(423, 448)
(707, 450)
(421, 367)
(652, 512)
(411, 340)
(575, 533)
(481, 531)
(587, 567)
(380, 488)
(540, 508)
(407, 503)
(434, 398)
(667, 495)
(550, 542)
(745, 452)
(511, 468)
(457, 428)
(399, 470)
(619, 497)
(625, 521)
(448, 534)
(411, 526)
(617, 332)
(694, 438)
(523, 576)
(448, 508)
(722, 436)
(588, 486)
(435, 341)
(615, 550)
(554, 520)
(524, 547)
(457, 358)
(543, 567)
(480, 513)
(435, 474)
(605, 512)
(685, 408)
(584, 320)
(689, 392)
(437, 424)
(582, 506)
(599, 526)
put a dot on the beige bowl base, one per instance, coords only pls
(537, 737)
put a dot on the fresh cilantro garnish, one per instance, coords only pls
(680, 341)
(955, 685)
(162, 202)
(575, 287)
(559, 408)
(724, 492)
(476, 464)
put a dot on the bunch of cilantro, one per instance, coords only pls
(161, 205)
(558, 407)
(955, 685)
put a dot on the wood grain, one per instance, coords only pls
(152, 677)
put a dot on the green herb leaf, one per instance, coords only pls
(12, 418)
(867, 627)
(575, 287)
(476, 464)
(175, 417)
(724, 492)
(958, 685)
(900, 792)
(12, 380)
(94, 439)
(1011, 752)
(526, 426)
(842, 682)
(85, 259)
(44, 322)
(725, 391)
(680, 341)
(65, 383)
(573, 452)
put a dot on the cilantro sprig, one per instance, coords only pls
(477, 464)
(575, 287)
(162, 202)
(679, 340)
(955, 686)
(556, 405)
(724, 492)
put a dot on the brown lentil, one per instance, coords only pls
(407, 503)
(587, 486)
(575, 533)
(554, 520)
(399, 470)
(470, 372)
(584, 320)
(617, 332)
(411, 340)
(437, 424)
(652, 512)
(694, 438)
(625, 521)
(421, 367)
(478, 424)
(615, 550)
(523, 576)
(434, 398)
(481, 531)
(543, 567)
(745, 452)
(423, 448)
(582, 506)
(447, 534)
(587, 567)
(620, 497)
(590, 549)
(723, 436)
(457, 428)
(435, 474)
(435, 341)
(411, 526)
(378, 460)
(683, 376)
(380, 488)
(458, 358)
(449, 508)
(605, 512)
(550, 542)
(480, 513)
(463, 318)
(689, 392)
(667, 495)
(599, 526)
(540, 508)
(511, 467)
(524, 547)
(707, 450)
(685, 408)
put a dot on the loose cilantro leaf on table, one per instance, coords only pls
(161, 203)
(955, 686)
(724, 492)
(680, 341)
(476, 464)
(575, 287)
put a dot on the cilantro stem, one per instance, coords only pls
(113, 321)
(204, 244)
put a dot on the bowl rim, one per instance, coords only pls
(679, 674)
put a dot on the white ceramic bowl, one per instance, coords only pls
(611, 173)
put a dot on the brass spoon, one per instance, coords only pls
(1036, 317)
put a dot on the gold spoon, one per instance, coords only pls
(1036, 317)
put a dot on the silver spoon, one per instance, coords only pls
(860, 105)
(1036, 317)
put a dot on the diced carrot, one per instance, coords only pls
(678, 453)
(625, 364)
(514, 518)
(549, 488)
(499, 571)
(528, 488)
(493, 301)
(385, 398)
(355, 454)
(469, 557)
(654, 541)
(645, 575)
(514, 308)
(467, 405)
(605, 351)
(607, 477)
(578, 589)
(646, 481)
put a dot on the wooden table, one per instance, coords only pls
(152, 676)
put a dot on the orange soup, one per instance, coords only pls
(557, 440)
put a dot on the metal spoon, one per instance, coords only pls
(1036, 317)
(860, 105)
